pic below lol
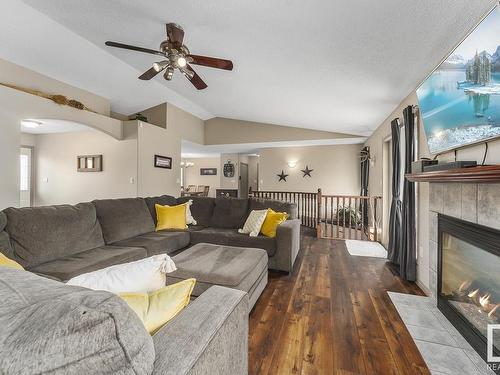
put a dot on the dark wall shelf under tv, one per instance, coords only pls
(483, 174)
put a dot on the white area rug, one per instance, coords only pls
(365, 249)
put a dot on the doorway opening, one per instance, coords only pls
(26, 176)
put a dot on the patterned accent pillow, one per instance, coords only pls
(254, 223)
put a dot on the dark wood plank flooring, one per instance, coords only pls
(332, 315)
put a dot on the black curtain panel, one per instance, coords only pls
(365, 176)
(395, 216)
(408, 257)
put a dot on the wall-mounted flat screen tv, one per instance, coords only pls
(460, 101)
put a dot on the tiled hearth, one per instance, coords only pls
(477, 203)
(444, 350)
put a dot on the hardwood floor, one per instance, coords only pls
(332, 315)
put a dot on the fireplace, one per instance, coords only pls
(469, 280)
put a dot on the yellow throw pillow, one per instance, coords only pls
(6, 262)
(273, 219)
(157, 308)
(171, 217)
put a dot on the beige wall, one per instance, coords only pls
(153, 140)
(187, 126)
(336, 169)
(227, 131)
(57, 179)
(376, 179)
(173, 125)
(17, 75)
(16, 105)
(10, 138)
(192, 174)
(28, 139)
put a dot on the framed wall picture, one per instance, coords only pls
(208, 171)
(163, 162)
(89, 163)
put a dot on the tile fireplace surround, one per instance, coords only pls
(477, 203)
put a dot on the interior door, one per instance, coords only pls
(25, 173)
(243, 180)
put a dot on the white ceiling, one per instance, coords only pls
(335, 65)
(50, 126)
(195, 150)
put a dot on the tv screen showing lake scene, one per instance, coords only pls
(460, 101)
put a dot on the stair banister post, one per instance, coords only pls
(318, 214)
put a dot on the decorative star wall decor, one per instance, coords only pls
(282, 176)
(307, 171)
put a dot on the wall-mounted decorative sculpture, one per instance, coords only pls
(229, 169)
(282, 176)
(58, 99)
(307, 171)
(89, 163)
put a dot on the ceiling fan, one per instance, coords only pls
(176, 56)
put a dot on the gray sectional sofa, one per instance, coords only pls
(65, 241)
(45, 317)
(49, 327)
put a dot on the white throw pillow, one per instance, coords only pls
(141, 276)
(254, 223)
(189, 218)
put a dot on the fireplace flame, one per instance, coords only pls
(493, 310)
(473, 293)
(484, 301)
(464, 286)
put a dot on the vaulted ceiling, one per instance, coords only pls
(334, 65)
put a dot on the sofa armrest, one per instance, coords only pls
(210, 336)
(287, 245)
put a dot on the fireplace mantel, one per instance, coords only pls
(482, 174)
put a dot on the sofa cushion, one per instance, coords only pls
(209, 264)
(261, 242)
(217, 236)
(231, 237)
(278, 206)
(163, 200)
(229, 213)
(162, 242)
(5, 246)
(123, 218)
(49, 327)
(41, 234)
(201, 209)
(91, 260)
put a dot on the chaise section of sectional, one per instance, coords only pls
(210, 336)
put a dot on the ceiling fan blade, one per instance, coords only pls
(196, 79)
(175, 34)
(212, 62)
(148, 74)
(134, 48)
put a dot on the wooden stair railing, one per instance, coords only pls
(306, 203)
(333, 216)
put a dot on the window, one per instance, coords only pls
(25, 172)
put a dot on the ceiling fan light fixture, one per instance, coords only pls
(169, 73)
(160, 65)
(181, 61)
(189, 74)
